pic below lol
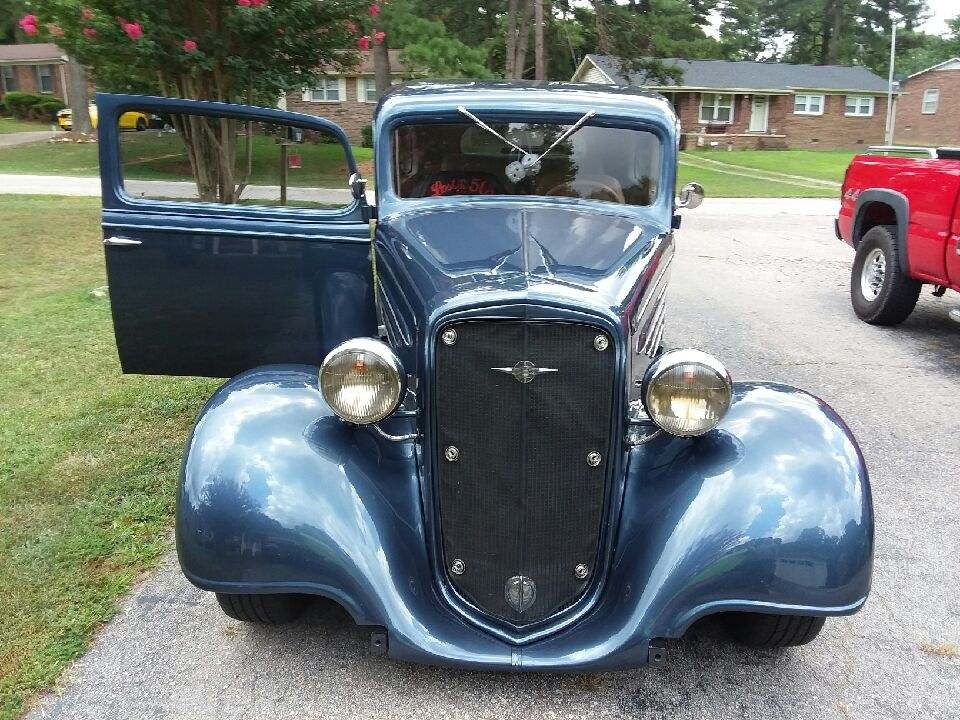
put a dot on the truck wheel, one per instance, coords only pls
(263, 609)
(141, 124)
(880, 288)
(759, 630)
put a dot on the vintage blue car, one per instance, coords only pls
(450, 411)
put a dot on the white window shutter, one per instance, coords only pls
(307, 95)
(343, 88)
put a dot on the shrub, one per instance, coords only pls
(47, 109)
(367, 132)
(21, 104)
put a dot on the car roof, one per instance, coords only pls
(425, 96)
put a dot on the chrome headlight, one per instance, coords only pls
(687, 392)
(362, 381)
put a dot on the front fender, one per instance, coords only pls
(770, 512)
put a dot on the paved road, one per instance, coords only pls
(766, 292)
(24, 138)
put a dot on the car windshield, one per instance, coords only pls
(476, 157)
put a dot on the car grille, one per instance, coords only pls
(520, 505)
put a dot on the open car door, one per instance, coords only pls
(234, 236)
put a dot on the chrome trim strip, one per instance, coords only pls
(121, 242)
(659, 278)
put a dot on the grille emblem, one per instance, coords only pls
(520, 592)
(524, 371)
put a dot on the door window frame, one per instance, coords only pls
(111, 107)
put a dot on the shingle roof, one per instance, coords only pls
(743, 75)
(30, 52)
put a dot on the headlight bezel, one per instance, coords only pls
(383, 353)
(689, 356)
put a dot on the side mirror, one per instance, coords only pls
(691, 196)
(358, 186)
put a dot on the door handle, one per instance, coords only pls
(121, 242)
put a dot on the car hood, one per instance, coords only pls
(462, 247)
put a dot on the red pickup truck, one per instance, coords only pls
(901, 215)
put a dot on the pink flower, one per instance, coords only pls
(374, 10)
(243, 3)
(89, 32)
(190, 45)
(351, 27)
(28, 23)
(258, 3)
(379, 37)
(133, 30)
(86, 14)
(364, 43)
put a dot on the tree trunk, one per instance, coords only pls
(511, 47)
(78, 97)
(603, 38)
(381, 62)
(836, 33)
(523, 40)
(540, 51)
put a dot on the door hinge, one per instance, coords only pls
(121, 242)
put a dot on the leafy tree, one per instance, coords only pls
(428, 46)
(226, 50)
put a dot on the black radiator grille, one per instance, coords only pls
(521, 498)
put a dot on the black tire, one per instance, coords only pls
(758, 630)
(262, 609)
(899, 292)
(141, 124)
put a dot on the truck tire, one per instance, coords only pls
(758, 630)
(262, 609)
(881, 290)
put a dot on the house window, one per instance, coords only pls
(716, 108)
(8, 76)
(808, 104)
(859, 106)
(327, 90)
(931, 101)
(45, 78)
(367, 89)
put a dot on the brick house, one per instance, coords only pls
(33, 68)
(764, 105)
(928, 108)
(347, 97)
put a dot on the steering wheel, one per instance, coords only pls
(588, 189)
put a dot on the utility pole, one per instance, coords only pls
(891, 117)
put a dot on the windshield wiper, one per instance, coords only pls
(573, 128)
(481, 124)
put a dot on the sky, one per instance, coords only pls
(942, 11)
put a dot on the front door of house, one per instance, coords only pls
(760, 113)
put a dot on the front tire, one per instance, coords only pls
(262, 609)
(758, 630)
(141, 124)
(881, 291)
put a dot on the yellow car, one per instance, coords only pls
(128, 121)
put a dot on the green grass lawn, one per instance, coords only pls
(718, 184)
(11, 125)
(152, 156)
(817, 164)
(88, 457)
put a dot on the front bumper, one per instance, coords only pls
(771, 512)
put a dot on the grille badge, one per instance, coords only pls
(449, 336)
(520, 592)
(581, 571)
(458, 567)
(594, 458)
(452, 453)
(524, 371)
(601, 342)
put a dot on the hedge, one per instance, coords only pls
(24, 106)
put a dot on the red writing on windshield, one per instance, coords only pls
(462, 186)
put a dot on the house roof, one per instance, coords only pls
(951, 64)
(365, 64)
(30, 52)
(749, 76)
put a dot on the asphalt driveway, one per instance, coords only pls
(765, 290)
